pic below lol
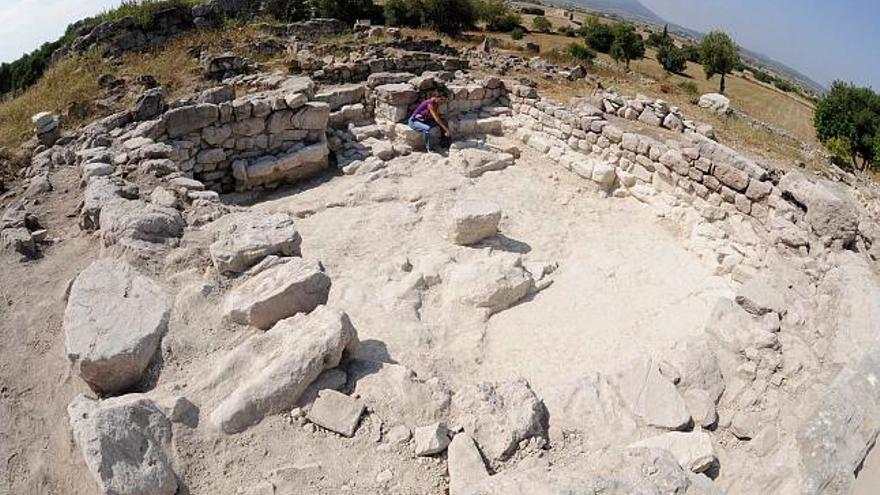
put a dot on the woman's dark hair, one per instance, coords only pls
(442, 93)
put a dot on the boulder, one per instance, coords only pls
(19, 240)
(244, 239)
(499, 416)
(293, 286)
(149, 105)
(125, 442)
(300, 163)
(99, 192)
(114, 321)
(395, 393)
(715, 102)
(693, 450)
(431, 439)
(474, 221)
(336, 412)
(490, 284)
(651, 396)
(268, 372)
(831, 211)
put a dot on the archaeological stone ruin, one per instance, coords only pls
(279, 291)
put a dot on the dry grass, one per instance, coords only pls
(73, 82)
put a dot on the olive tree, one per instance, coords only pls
(719, 55)
(628, 44)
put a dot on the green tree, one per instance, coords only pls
(691, 53)
(628, 44)
(658, 40)
(346, 10)
(719, 55)
(517, 34)
(448, 16)
(598, 36)
(582, 53)
(853, 114)
(403, 13)
(672, 58)
(541, 24)
(497, 15)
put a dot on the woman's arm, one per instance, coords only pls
(438, 119)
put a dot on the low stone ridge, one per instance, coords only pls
(125, 442)
(267, 373)
(114, 321)
(293, 286)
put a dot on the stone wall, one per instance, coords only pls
(719, 179)
(360, 70)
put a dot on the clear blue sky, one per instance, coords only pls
(824, 39)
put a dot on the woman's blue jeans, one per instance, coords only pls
(424, 128)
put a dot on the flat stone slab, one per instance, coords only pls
(114, 321)
(244, 239)
(336, 412)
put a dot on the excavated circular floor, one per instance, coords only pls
(625, 284)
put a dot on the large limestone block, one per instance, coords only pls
(125, 443)
(474, 161)
(650, 396)
(474, 221)
(396, 94)
(499, 416)
(123, 220)
(693, 450)
(300, 164)
(268, 372)
(244, 239)
(831, 210)
(113, 323)
(465, 465)
(183, 120)
(342, 96)
(291, 287)
(313, 117)
(396, 394)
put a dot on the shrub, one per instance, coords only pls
(532, 11)
(517, 34)
(690, 88)
(402, 13)
(566, 31)
(691, 53)
(658, 40)
(448, 16)
(719, 55)
(288, 10)
(541, 24)
(582, 53)
(671, 58)
(628, 44)
(841, 151)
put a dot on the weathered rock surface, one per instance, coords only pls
(474, 160)
(715, 102)
(492, 284)
(114, 321)
(293, 286)
(693, 450)
(473, 221)
(650, 396)
(831, 211)
(125, 442)
(244, 239)
(593, 407)
(268, 372)
(395, 393)
(500, 416)
(124, 221)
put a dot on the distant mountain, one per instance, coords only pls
(624, 8)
